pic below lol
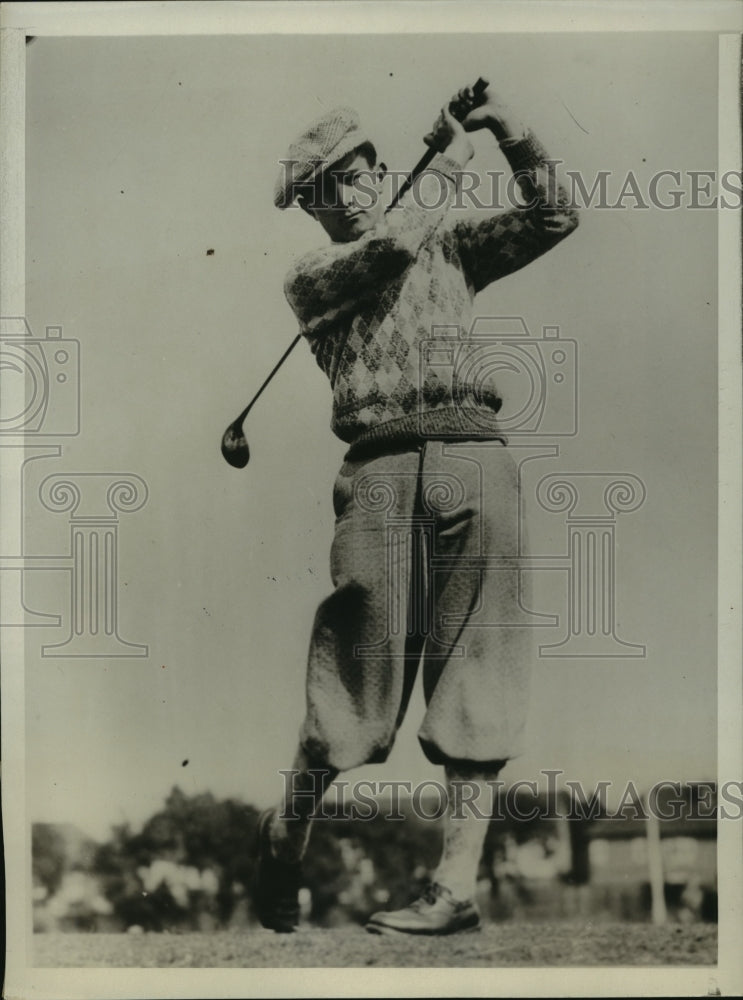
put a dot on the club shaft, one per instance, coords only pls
(270, 375)
(410, 179)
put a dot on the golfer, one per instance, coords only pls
(428, 526)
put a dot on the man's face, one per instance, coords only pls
(347, 201)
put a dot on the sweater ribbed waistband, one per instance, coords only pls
(410, 432)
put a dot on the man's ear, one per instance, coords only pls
(381, 171)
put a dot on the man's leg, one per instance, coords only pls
(479, 656)
(282, 837)
(477, 700)
(360, 660)
(448, 905)
(477, 661)
(304, 787)
(360, 667)
(470, 793)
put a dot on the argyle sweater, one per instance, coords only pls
(387, 316)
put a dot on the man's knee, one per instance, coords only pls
(323, 755)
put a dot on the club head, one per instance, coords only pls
(234, 446)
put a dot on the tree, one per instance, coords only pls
(49, 856)
(195, 832)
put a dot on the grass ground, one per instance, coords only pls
(497, 945)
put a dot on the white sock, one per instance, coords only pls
(464, 837)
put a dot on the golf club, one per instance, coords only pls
(234, 443)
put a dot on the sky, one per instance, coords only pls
(143, 154)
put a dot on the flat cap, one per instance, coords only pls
(327, 140)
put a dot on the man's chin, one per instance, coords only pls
(357, 225)
(349, 229)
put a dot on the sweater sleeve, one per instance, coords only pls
(324, 284)
(499, 244)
